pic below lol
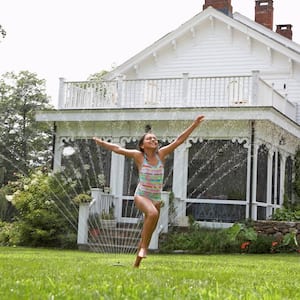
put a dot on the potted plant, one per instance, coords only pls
(82, 198)
(106, 190)
(94, 225)
(107, 219)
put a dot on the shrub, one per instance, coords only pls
(286, 214)
(289, 242)
(198, 240)
(238, 238)
(262, 244)
(4, 233)
(46, 215)
(9, 234)
(241, 232)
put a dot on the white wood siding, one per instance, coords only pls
(220, 51)
(210, 53)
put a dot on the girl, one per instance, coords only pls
(150, 163)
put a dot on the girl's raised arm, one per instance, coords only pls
(164, 151)
(116, 148)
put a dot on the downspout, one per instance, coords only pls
(53, 144)
(252, 125)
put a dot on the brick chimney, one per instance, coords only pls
(285, 30)
(264, 13)
(221, 5)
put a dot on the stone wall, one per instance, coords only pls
(277, 228)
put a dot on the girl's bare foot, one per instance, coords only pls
(142, 253)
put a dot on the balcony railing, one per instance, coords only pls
(173, 92)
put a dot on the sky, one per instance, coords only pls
(76, 38)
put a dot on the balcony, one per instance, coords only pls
(227, 91)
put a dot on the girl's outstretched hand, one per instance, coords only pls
(97, 140)
(199, 119)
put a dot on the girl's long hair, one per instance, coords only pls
(141, 140)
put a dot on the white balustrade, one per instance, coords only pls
(168, 92)
(186, 91)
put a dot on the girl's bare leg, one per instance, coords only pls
(151, 212)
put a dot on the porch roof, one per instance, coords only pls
(260, 113)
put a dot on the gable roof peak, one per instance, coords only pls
(222, 5)
(237, 21)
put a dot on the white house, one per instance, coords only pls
(239, 73)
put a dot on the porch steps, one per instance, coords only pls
(111, 248)
(123, 238)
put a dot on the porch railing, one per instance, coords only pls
(173, 92)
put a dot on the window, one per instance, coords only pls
(217, 170)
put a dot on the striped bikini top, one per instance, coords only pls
(151, 177)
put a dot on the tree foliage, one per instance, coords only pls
(24, 142)
(99, 76)
(46, 214)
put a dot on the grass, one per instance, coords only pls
(57, 274)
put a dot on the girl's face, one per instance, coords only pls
(150, 141)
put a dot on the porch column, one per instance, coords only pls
(116, 179)
(61, 93)
(271, 153)
(254, 90)
(282, 178)
(82, 233)
(254, 183)
(276, 196)
(248, 192)
(116, 174)
(59, 146)
(180, 175)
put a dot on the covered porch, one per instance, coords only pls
(238, 165)
(230, 170)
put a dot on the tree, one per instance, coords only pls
(97, 76)
(24, 142)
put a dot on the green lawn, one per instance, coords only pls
(56, 274)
